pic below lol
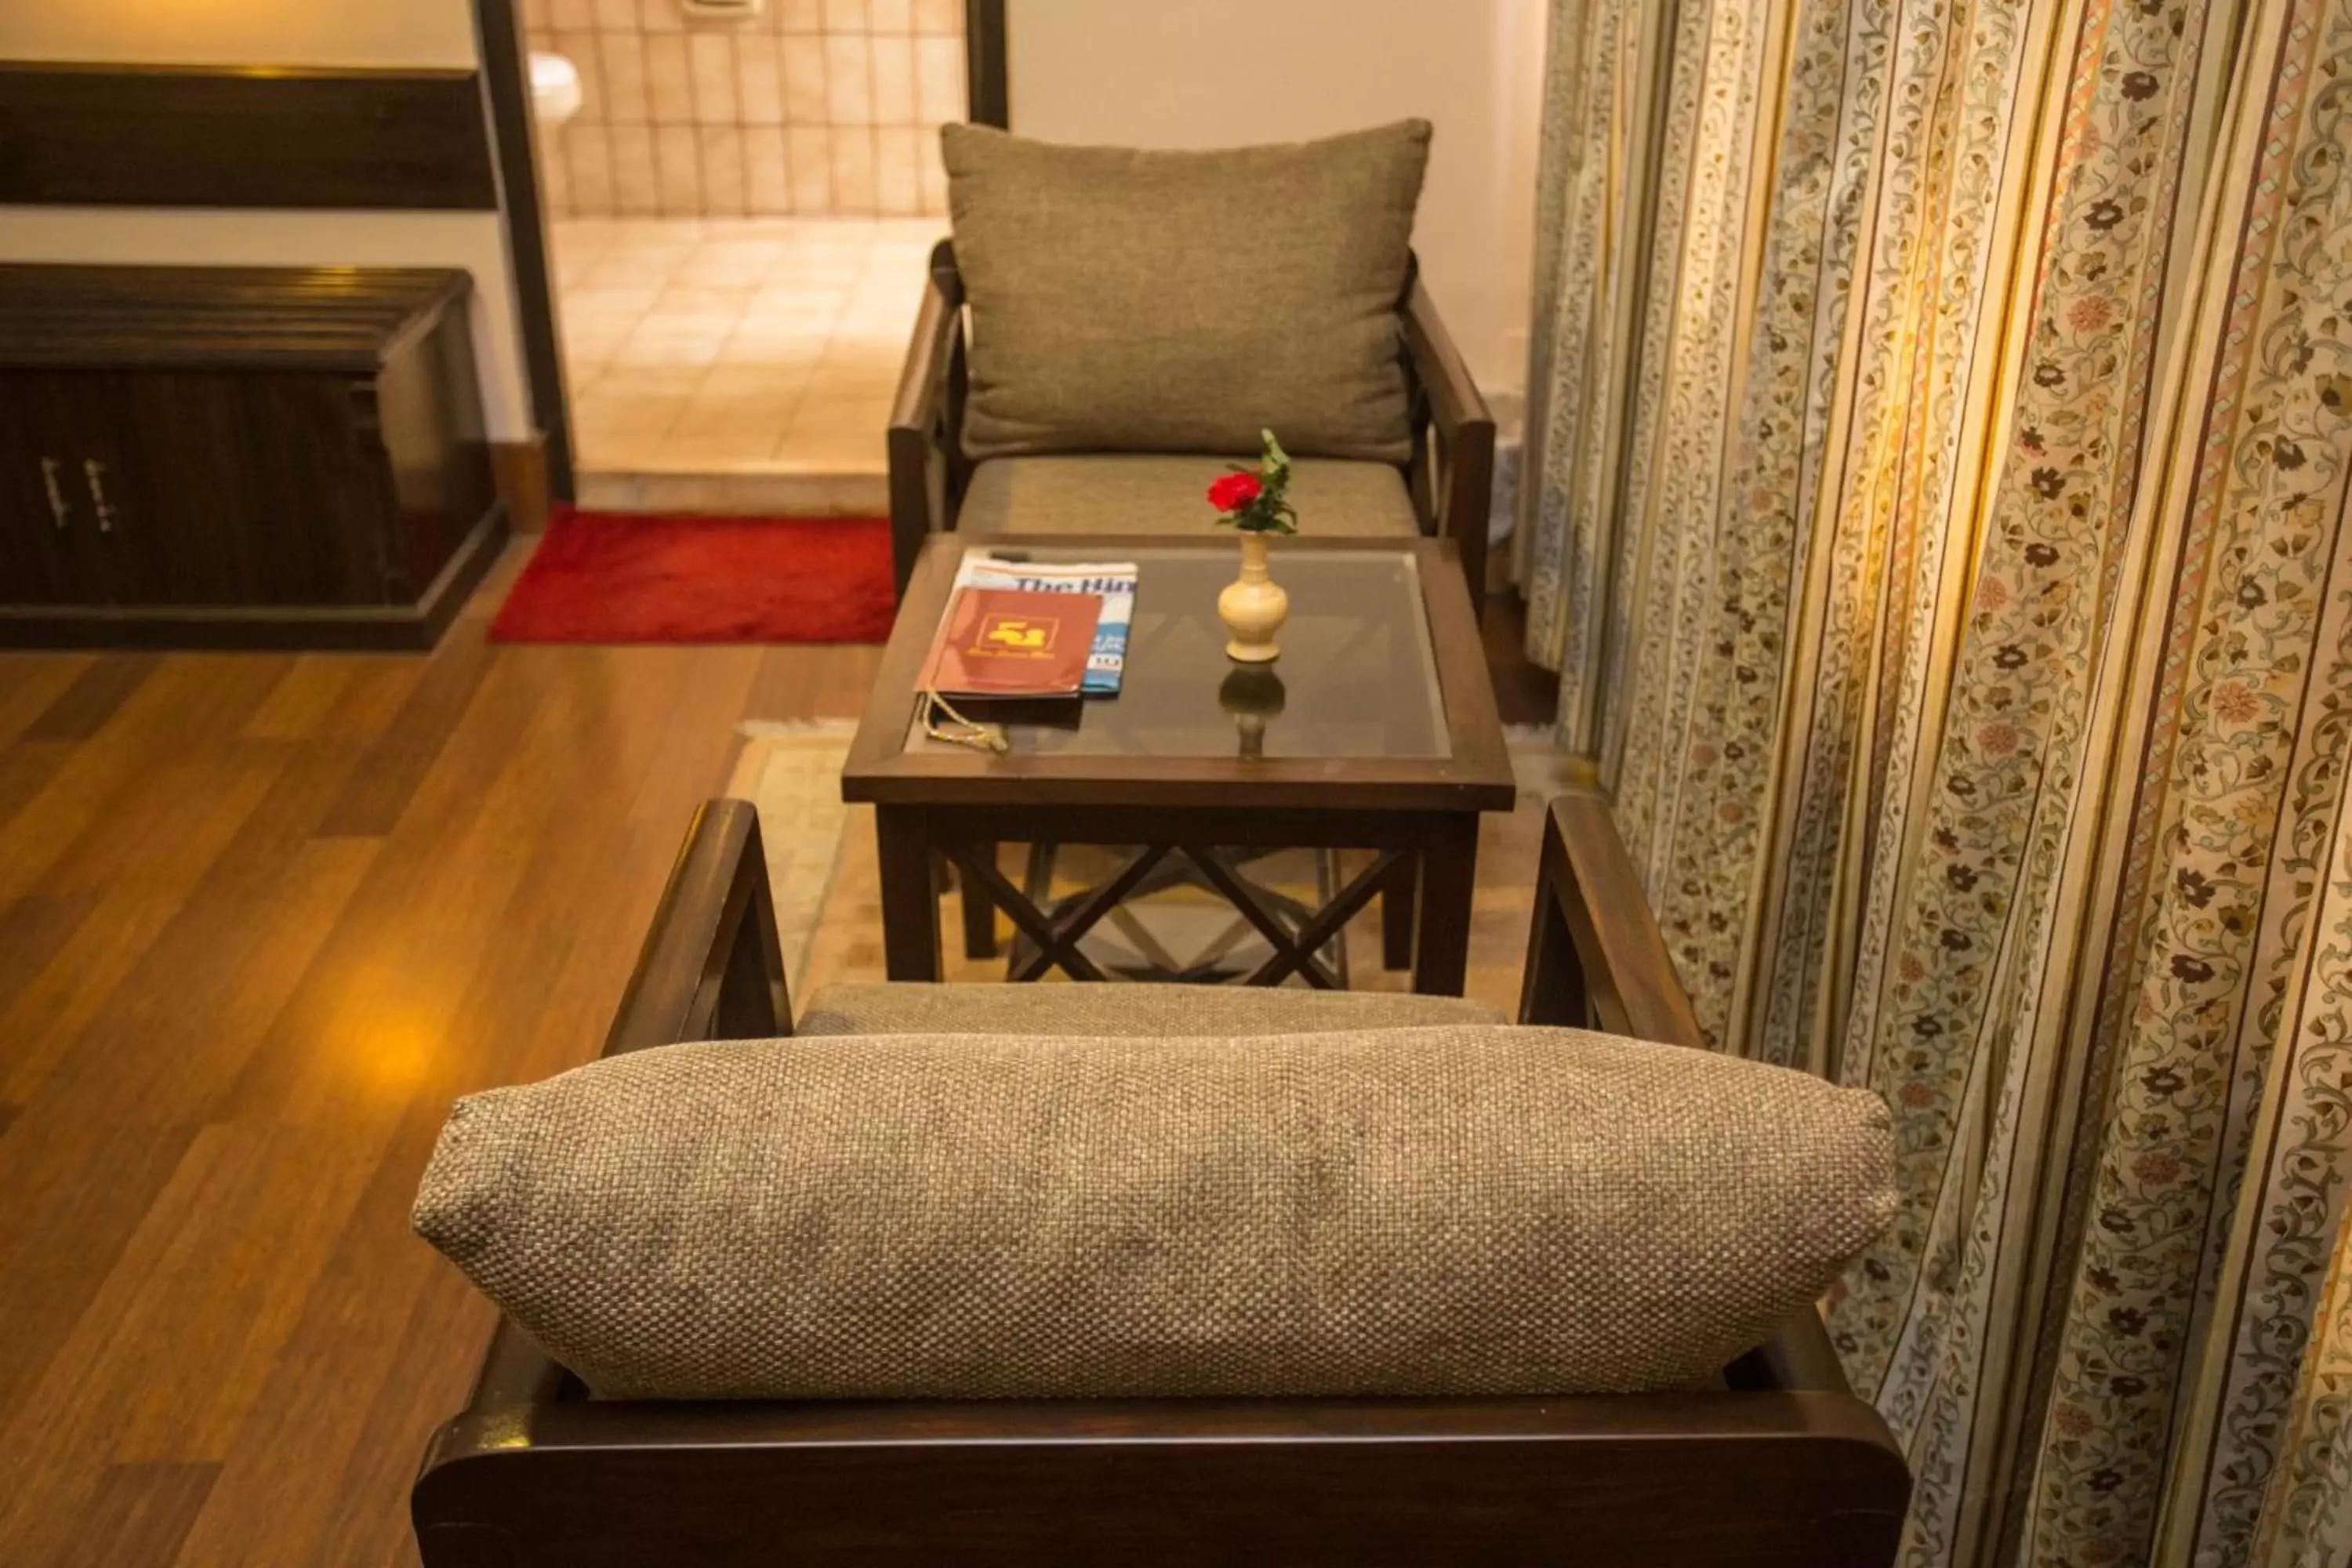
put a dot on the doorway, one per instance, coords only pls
(739, 200)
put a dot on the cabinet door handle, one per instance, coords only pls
(57, 512)
(95, 472)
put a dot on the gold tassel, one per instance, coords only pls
(959, 731)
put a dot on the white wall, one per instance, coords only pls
(241, 31)
(1222, 72)
(407, 33)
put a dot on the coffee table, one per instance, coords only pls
(1374, 731)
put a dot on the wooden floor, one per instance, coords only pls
(260, 919)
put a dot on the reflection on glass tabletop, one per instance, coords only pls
(1357, 676)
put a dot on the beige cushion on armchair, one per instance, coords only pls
(1145, 493)
(1458, 1210)
(1179, 301)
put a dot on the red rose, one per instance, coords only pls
(1235, 491)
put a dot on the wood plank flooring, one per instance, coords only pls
(261, 918)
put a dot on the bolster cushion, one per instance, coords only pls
(1456, 1210)
(1128, 301)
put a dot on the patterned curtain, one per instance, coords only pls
(1940, 420)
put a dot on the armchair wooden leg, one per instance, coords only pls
(979, 912)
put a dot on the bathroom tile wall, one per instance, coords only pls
(814, 107)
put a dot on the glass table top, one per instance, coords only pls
(1357, 679)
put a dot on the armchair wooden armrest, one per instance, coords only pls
(1596, 959)
(1452, 472)
(927, 468)
(711, 967)
(1777, 1464)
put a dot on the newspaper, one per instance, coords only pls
(1114, 580)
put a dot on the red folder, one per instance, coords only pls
(996, 642)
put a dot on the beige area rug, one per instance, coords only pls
(792, 774)
(828, 896)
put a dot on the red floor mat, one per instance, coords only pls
(611, 577)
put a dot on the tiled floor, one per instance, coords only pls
(736, 364)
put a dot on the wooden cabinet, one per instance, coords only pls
(238, 457)
(43, 556)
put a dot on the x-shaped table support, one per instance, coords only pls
(1056, 942)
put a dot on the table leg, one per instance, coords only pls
(978, 913)
(1449, 872)
(910, 903)
(1396, 914)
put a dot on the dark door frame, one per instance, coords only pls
(506, 87)
(989, 98)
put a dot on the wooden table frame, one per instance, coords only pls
(1777, 1466)
(953, 805)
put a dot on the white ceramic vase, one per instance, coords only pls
(1253, 606)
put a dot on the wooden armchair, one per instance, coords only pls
(1449, 477)
(1777, 1464)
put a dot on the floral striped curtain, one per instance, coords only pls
(1939, 434)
